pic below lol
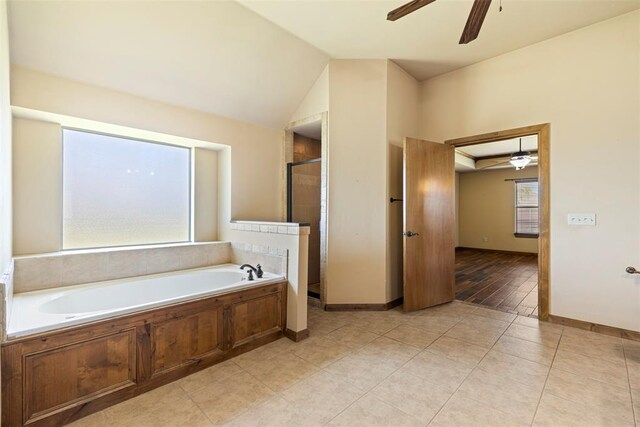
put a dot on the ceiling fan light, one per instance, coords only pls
(520, 160)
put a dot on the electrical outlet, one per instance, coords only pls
(485, 239)
(581, 219)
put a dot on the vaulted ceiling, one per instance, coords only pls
(256, 60)
(214, 56)
(425, 42)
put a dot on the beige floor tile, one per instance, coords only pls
(482, 335)
(525, 349)
(591, 367)
(369, 411)
(283, 371)
(632, 358)
(592, 344)
(412, 394)
(218, 372)
(352, 336)
(390, 351)
(225, 400)
(437, 369)
(635, 395)
(533, 322)
(515, 369)
(165, 406)
(99, 419)
(518, 400)
(322, 396)
(554, 411)
(437, 324)
(376, 323)
(593, 393)
(412, 335)
(460, 411)
(362, 369)
(495, 314)
(486, 322)
(260, 354)
(544, 336)
(460, 351)
(273, 412)
(322, 350)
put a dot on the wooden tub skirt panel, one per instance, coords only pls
(57, 377)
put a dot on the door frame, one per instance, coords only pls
(544, 243)
(287, 157)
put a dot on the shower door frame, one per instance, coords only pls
(323, 119)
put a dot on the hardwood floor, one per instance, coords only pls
(507, 282)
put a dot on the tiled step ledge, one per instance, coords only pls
(292, 228)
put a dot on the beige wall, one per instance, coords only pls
(251, 169)
(357, 181)
(316, 100)
(5, 142)
(402, 121)
(486, 210)
(586, 84)
(205, 189)
(37, 185)
(457, 211)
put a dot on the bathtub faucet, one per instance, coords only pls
(253, 269)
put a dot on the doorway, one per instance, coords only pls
(515, 279)
(305, 200)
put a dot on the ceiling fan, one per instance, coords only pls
(471, 29)
(520, 159)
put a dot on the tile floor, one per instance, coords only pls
(456, 365)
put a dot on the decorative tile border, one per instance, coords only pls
(291, 228)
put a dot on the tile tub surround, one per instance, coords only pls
(272, 259)
(392, 368)
(59, 269)
(6, 293)
(293, 228)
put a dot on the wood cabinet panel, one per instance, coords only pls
(69, 375)
(256, 317)
(185, 340)
(53, 378)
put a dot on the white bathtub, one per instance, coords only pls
(50, 309)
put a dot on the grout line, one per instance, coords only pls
(547, 378)
(633, 409)
(469, 374)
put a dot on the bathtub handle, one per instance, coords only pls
(259, 271)
(250, 275)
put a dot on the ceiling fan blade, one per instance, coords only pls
(406, 9)
(475, 20)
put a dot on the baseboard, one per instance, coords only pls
(595, 327)
(296, 336)
(499, 251)
(364, 307)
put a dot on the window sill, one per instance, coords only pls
(526, 235)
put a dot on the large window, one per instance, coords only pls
(526, 208)
(119, 191)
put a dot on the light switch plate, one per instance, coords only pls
(581, 219)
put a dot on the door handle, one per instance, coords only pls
(410, 234)
(632, 270)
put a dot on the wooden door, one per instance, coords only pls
(429, 215)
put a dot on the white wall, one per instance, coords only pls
(252, 184)
(357, 178)
(402, 121)
(586, 84)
